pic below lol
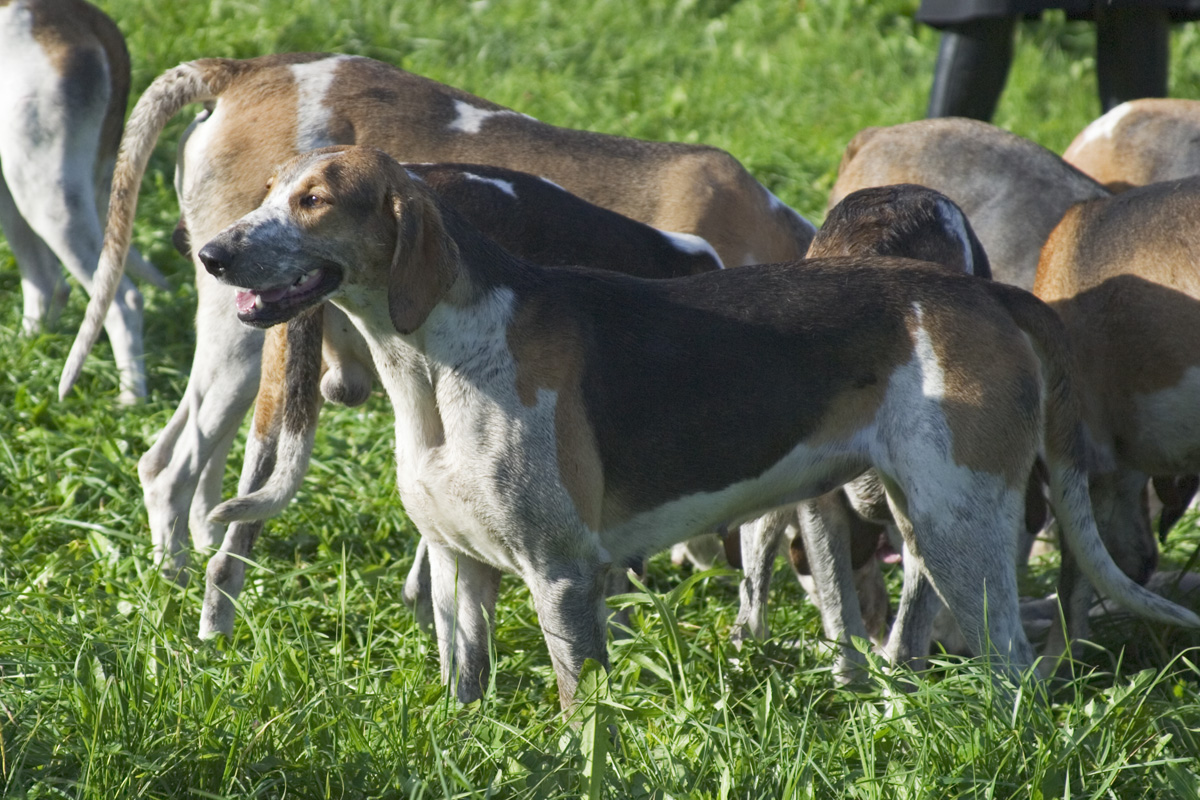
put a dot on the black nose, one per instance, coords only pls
(215, 258)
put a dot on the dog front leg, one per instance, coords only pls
(569, 598)
(464, 602)
(760, 545)
(825, 530)
(206, 533)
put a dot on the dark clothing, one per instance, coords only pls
(1132, 48)
(940, 13)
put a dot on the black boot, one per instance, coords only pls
(972, 66)
(1132, 53)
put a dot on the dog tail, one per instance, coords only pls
(192, 82)
(285, 420)
(1066, 456)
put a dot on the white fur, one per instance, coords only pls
(1105, 126)
(312, 114)
(471, 118)
(954, 221)
(691, 243)
(504, 186)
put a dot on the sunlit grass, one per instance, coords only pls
(328, 689)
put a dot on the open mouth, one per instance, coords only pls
(263, 308)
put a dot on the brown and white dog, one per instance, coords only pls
(1137, 143)
(557, 423)
(1140, 142)
(62, 105)
(1121, 274)
(264, 110)
(834, 538)
(1013, 191)
(530, 217)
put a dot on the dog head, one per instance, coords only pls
(904, 220)
(335, 219)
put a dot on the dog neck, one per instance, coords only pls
(464, 335)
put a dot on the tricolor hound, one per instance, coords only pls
(560, 423)
(531, 218)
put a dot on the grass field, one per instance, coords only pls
(328, 689)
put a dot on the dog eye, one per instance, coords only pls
(310, 201)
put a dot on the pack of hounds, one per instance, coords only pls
(598, 348)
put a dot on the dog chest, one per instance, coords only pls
(477, 466)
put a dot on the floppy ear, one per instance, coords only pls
(424, 264)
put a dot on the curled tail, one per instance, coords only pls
(1067, 464)
(192, 82)
(285, 421)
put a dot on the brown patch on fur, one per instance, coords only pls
(1121, 274)
(548, 355)
(676, 187)
(711, 195)
(425, 262)
(993, 424)
(1013, 194)
(903, 220)
(271, 389)
(265, 137)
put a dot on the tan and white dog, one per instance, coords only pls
(261, 112)
(1121, 273)
(557, 423)
(530, 217)
(1137, 143)
(62, 106)
(1013, 191)
(1140, 142)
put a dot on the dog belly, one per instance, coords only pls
(1166, 436)
(804, 473)
(447, 518)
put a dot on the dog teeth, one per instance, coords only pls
(307, 277)
(258, 302)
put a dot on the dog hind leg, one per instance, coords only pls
(225, 373)
(36, 155)
(825, 529)
(43, 290)
(760, 545)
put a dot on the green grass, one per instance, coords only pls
(328, 689)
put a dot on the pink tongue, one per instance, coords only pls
(245, 300)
